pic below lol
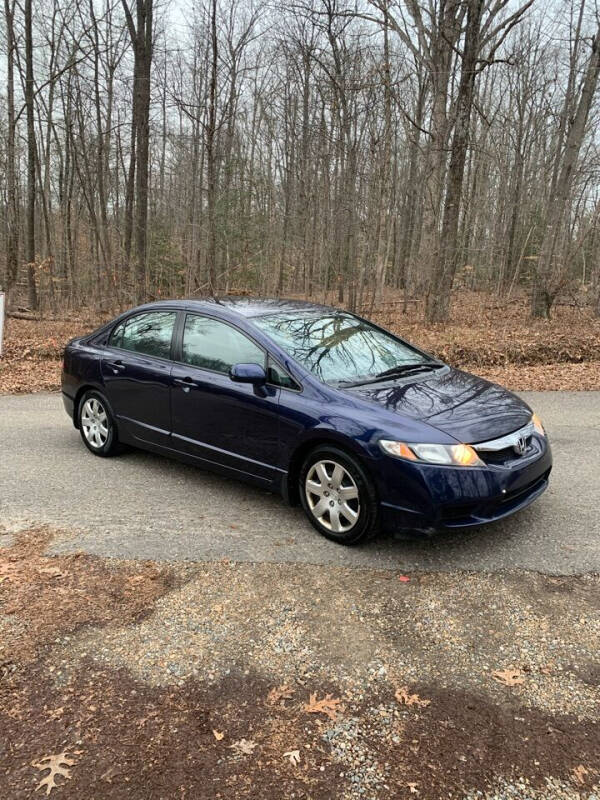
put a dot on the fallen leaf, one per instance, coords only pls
(509, 677)
(110, 773)
(402, 696)
(218, 735)
(327, 705)
(58, 765)
(293, 756)
(579, 774)
(279, 693)
(54, 572)
(6, 669)
(245, 746)
(403, 578)
(413, 788)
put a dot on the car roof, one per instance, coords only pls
(245, 306)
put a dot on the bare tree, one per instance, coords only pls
(547, 278)
(141, 33)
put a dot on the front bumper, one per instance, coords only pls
(426, 497)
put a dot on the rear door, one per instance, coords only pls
(234, 425)
(136, 370)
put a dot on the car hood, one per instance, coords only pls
(461, 405)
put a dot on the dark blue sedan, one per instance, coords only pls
(363, 429)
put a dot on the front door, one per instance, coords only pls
(136, 370)
(234, 425)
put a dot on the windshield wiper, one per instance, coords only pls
(393, 372)
(400, 369)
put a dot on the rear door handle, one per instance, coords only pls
(116, 366)
(186, 383)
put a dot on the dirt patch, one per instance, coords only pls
(462, 741)
(129, 740)
(227, 741)
(43, 596)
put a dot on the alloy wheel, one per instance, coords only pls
(332, 496)
(94, 422)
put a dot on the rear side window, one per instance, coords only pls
(210, 344)
(148, 333)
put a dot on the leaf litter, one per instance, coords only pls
(491, 337)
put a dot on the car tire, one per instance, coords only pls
(338, 496)
(96, 425)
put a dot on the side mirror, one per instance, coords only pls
(248, 373)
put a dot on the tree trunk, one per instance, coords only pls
(12, 211)
(544, 291)
(211, 158)
(141, 39)
(31, 159)
(438, 299)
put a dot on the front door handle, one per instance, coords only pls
(185, 383)
(116, 366)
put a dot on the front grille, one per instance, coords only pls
(505, 454)
(506, 449)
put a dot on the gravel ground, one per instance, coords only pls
(369, 628)
(240, 680)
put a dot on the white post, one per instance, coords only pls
(1, 321)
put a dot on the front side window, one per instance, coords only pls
(277, 376)
(148, 333)
(338, 347)
(214, 345)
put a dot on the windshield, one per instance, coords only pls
(338, 347)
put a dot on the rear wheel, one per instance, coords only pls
(338, 496)
(96, 425)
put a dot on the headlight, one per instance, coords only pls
(537, 424)
(462, 455)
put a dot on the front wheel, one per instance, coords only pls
(338, 496)
(96, 425)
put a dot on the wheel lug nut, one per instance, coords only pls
(331, 503)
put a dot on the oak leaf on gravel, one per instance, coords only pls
(279, 693)
(509, 677)
(218, 735)
(58, 764)
(327, 705)
(403, 697)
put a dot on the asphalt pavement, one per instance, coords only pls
(142, 506)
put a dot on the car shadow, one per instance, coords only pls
(407, 548)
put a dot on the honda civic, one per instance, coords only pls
(363, 429)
